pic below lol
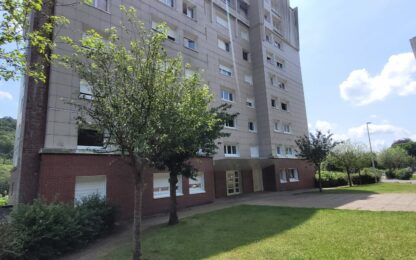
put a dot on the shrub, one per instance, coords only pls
(332, 179)
(46, 230)
(390, 174)
(4, 200)
(367, 176)
(403, 174)
(5, 172)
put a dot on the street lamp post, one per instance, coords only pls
(371, 149)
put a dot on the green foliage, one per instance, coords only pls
(407, 144)
(403, 174)
(4, 200)
(5, 172)
(332, 179)
(394, 158)
(7, 135)
(45, 231)
(367, 176)
(16, 15)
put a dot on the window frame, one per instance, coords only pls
(201, 177)
(165, 2)
(225, 70)
(166, 194)
(295, 174)
(283, 174)
(233, 147)
(230, 94)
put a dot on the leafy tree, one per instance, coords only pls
(7, 134)
(315, 148)
(407, 144)
(349, 156)
(394, 158)
(187, 126)
(133, 81)
(17, 37)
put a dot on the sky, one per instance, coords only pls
(357, 67)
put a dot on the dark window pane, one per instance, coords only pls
(89, 137)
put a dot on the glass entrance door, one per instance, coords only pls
(233, 182)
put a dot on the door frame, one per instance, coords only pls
(239, 182)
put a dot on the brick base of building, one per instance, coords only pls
(58, 174)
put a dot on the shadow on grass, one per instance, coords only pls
(208, 235)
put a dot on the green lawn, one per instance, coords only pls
(377, 188)
(260, 232)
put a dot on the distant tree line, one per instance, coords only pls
(7, 136)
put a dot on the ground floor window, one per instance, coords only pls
(197, 185)
(86, 186)
(161, 186)
(283, 177)
(293, 175)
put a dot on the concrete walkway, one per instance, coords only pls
(303, 199)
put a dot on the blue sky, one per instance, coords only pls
(348, 74)
(356, 66)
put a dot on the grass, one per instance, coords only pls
(377, 188)
(260, 232)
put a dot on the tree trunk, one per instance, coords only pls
(137, 223)
(319, 178)
(173, 214)
(349, 178)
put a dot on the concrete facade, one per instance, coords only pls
(264, 79)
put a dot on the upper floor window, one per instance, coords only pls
(273, 102)
(248, 79)
(284, 106)
(289, 151)
(286, 128)
(231, 151)
(189, 43)
(252, 127)
(100, 4)
(246, 55)
(276, 126)
(282, 85)
(230, 123)
(224, 45)
(85, 89)
(227, 95)
(189, 10)
(243, 7)
(224, 70)
(90, 138)
(244, 34)
(269, 58)
(168, 2)
(221, 19)
(171, 32)
(279, 64)
(250, 102)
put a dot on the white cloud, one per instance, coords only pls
(324, 126)
(375, 129)
(397, 77)
(5, 95)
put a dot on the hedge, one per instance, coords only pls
(47, 230)
(401, 174)
(335, 179)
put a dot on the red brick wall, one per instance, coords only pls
(58, 173)
(305, 171)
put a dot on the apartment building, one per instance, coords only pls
(413, 43)
(248, 54)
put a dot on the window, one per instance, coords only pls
(286, 128)
(85, 89)
(189, 10)
(86, 186)
(269, 58)
(90, 138)
(254, 152)
(272, 79)
(277, 44)
(278, 150)
(224, 70)
(230, 123)
(230, 3)
(252, 127)
(279, 64)
(289, 151)
(244, 34)
(171, 32)
(243, 7)
(227, 95)
(293, 175)
(283, 177)
(273, 102)
(231, 151)
(198, 185)
(276, 126)
(188, 43)
(250, 102)
(246, 55)
(222, 19)
(283, 105)
(161, 186)
(167, 2)
(248, 79)
(282, 85)
(224, 45)
(100, 4)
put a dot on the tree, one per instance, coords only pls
(348, 156)
(315, 148)
(407, 144)
(394, 158)
(18, 34)
(7, 135)
(133, 81)
(187, 127)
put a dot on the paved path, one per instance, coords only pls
(303, 199)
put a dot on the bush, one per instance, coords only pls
(403, 174)
(5, 172)
(45, 231)
(332, 179)
(367, 176)
(390, 174)
(4, 200)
